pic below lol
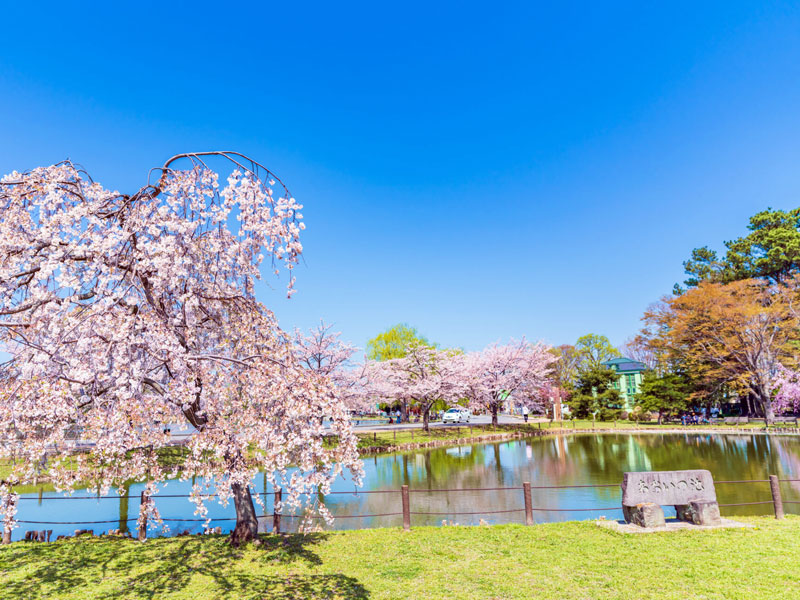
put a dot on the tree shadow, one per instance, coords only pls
(161, 567)
(290, 547)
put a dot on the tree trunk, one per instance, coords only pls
(659, 416)
(764, 402)
(246, 528)
(748, 407)
(425, 418)
(769, 414)
(404, 412)
(494, 414)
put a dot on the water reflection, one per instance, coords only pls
(572, 460)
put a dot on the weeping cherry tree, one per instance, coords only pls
(125, 312)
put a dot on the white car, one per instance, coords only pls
(456, 415)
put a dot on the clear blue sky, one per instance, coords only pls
(480, 171)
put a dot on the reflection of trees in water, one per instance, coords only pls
(567, 460)
(789, 457)
(452, 468)
(603, 459)
(727, 457)
(570, 460)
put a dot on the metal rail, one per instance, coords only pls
(529, 509)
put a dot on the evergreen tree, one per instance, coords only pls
(771, 251)
(595, 395)
(667, 394)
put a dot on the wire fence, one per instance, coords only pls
(405, 506)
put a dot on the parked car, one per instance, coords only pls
(456, 415)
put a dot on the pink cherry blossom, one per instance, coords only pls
(123, 313)
(420, 378)
(786, 383)
(322, 351)
(518, 369)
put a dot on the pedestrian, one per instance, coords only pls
(525, 413)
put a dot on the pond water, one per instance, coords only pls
(583, 459)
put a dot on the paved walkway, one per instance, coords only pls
(502, 419)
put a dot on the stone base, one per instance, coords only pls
(699, 513)
(644, 514)
(671, 525)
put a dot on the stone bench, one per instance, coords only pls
(737, 420)
(692, 494)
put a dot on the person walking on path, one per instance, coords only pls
(525, 413)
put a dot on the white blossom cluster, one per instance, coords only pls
(125, 313)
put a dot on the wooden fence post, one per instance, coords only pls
(777, 501)
(143, 521)
(276, 516)
(526, 490)
(406, 509)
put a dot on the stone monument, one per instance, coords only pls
(692, 494)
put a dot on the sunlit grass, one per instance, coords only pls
(554, 561)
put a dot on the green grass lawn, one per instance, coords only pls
(384, 439)
(589, 424)
(564, 561)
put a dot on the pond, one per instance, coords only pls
(577, 460)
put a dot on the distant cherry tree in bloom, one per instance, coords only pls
(519, 369)
(355, 388)
(322, 351)
(122, 313)
(786, 383)
(422, 377)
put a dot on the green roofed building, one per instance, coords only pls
(629, 378)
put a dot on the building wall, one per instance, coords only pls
(628, 386)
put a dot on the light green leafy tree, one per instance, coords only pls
(594, 350)
(395, 341)
(565, 370)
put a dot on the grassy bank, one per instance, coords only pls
(565, 560)
(384, 440)
(397, 437)
(589, 424)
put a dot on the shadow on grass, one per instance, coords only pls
(112, 568)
